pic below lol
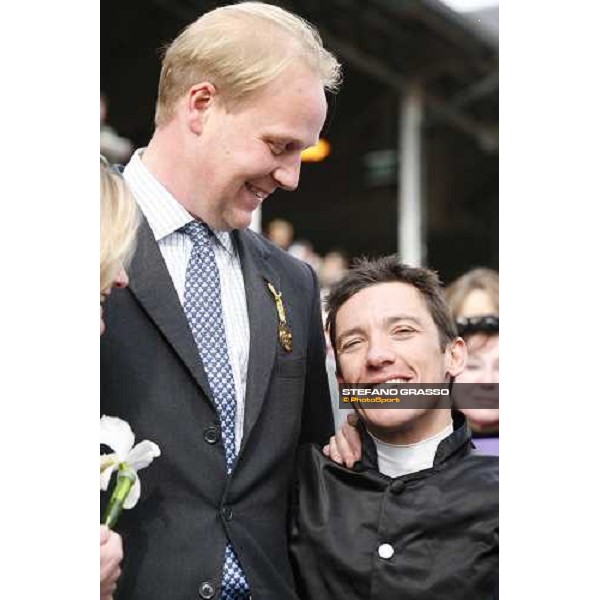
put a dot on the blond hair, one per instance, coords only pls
(119, 219)
(239, 49)
(486, 280)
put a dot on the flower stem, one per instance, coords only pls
(125, 479)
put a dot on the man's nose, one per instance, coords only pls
(121, 280)
(379, 354)
(287, 173)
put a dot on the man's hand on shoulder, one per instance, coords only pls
(345, 446)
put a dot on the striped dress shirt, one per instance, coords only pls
(166, 216)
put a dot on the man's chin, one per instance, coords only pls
(390, 420)
(238, 220)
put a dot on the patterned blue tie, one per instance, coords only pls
(203, 309)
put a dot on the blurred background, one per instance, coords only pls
(409, 161)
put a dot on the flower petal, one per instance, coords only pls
(107, 466)
(134, 494)
(142, 455)
(117, 434)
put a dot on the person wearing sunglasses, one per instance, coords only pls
(473, 299)
(482, 336)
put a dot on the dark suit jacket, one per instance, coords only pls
(152, 376)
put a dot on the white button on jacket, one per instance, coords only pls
(385, 551)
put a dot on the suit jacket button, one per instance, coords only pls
(227, 513)
(207, 590)
(385, 551)
(211, 435)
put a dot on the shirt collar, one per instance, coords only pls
(451, 447)
(165, 215)
(396, 460)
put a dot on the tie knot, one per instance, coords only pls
(198, 232)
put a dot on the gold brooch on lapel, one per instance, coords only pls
(284, 333)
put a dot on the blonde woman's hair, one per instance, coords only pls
(119, 219)
(239, 49)
(486, 280)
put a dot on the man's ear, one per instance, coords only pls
(199, 98)
(456, 357)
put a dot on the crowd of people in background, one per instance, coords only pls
(330, 267)
(114, 147)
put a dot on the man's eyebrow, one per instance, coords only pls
(387, 321)
(395, 318)
(348, 332)
(281, 138)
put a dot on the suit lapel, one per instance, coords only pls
(263, 324)
(151, 284)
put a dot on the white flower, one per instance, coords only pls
(117, 434)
